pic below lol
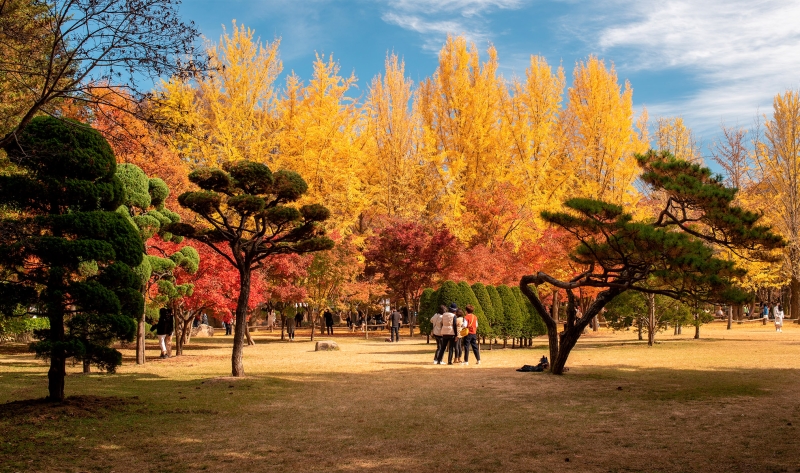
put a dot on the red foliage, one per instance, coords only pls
(216, 283)
(410, 256)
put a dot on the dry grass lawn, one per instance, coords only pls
(728, 402)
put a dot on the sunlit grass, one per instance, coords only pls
(722, 403)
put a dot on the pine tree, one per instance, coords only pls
(249, 217)
(497, 309)
(511, 326)
(672, 253)
(450, 293)
(68, 253)
(484, 325)
(471, 298)
(144, 208)
(427, 307)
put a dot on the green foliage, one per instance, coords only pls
(485, 301)
(511, 325)
(136, 185)
(83, 282)
(470, 297)
(11, 327)
(532, 325)
(158, 190)
(427, 307)
(497, 308)
(623, 311)
(449, 293)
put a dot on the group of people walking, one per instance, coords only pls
(455, 331)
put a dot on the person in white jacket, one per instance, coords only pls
(449, 331)
(436, 322)
(778, 313)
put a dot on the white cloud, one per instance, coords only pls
(434, 20)
(743, 52)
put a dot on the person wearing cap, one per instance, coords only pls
(472, 338)
(449, 331)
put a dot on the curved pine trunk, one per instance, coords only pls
(237, 365)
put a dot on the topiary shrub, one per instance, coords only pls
(485, 325)
(511, 326)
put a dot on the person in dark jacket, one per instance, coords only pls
(164, 328)
(328, 321)
(395, 318)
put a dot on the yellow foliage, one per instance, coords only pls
(228, 115)
(600, 136)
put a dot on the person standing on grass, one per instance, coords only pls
(395, 318)
(765, 312)
(436, 323)
(457, 342)
(778, 313)
(298, 319)
(449, 331)
(290, 325)
(471, 340)
(164, 329)
(328, 321)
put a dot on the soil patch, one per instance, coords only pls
(37, 411)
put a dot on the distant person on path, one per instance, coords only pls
(765, 312)
(290, 324)
(449, 331)
(349, 321)
(746, 310)
(328, 322)
(471, 340)
(778, 313)
(436, 323)
(164, 328)
(459, 340)
(298, 319)
(395, 319)
(228, 327)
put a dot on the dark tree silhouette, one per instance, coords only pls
(672, 254)
(66, 255)
(245, 206)
(74, 48)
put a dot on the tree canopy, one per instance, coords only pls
(67, 255)
(672, 253)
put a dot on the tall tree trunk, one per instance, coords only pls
(237, 365)
(58, 360)
(651, 319)
(595, 324)
(283, 326)
(794, 299)
(140, 341)
(313, 325)
(87, 367)
(730, 316)
(697, 327)
(249, 337)
(639, 325)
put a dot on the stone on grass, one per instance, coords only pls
(326, 346)
(203, 330)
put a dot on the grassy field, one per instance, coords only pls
(728, 402)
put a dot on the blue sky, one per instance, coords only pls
(711, 62)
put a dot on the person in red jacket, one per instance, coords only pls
(472, 338)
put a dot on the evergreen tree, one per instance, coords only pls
(484, 325)
(671, 253)
(144, 208)
(532, 325)
(67, 254)
(497, 308)
(469, 296)
(427, 307)
(249, 217)
(450, 293)
(511, 325)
